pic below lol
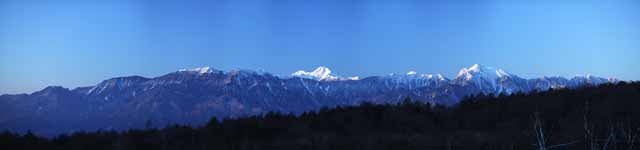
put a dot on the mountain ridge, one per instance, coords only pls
(330, 76)
(192, 96)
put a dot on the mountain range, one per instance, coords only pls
(193, 96)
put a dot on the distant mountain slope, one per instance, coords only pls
(598, 118)
(194, 95)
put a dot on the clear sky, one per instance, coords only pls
(80, 43)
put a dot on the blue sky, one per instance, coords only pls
(79, 43)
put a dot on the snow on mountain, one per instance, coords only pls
(490, 80)
(414, 75)
(321, 73)
(119, 83)
(200, 70)
(480, 71)
(412, 80)
(194, 95)
(545, 82)
(588, 79)
(436, 76)
(353, 78)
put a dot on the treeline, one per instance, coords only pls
(589, 118)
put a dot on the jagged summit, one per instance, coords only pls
(490, 80)
(322, 73)
(414, 75)
(481, 71)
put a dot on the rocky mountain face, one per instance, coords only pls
(192, 96)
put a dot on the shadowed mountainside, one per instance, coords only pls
(602, 117)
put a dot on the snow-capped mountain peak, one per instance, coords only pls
(482, 72)
(412, 72)
(200, 70)
(486, 78)
(475, 68)
(321, 73)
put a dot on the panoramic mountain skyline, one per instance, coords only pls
(79, 43)
(325, 74)
(192, 96)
